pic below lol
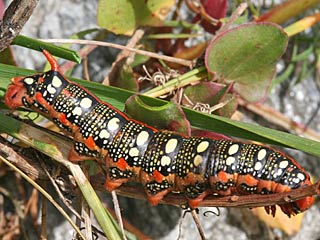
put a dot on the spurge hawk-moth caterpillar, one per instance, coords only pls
(162, 161)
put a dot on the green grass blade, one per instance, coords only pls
(54, 50)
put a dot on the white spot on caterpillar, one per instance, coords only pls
(142, 138)
(29, 80)
(171, 145)
(283, 164)
(279, 172)
(165, 161)
(202, 146)
(104, 134)
(230, 161)
(51, 89)
(233, 149)
(134, 152)
(301, 176)
(113, 124)
(198, 159)
(296, 180)
(86, 103)
(262, 154)
(258, 166)
(77, 111)
(56, 82)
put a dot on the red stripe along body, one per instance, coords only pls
(162, 161)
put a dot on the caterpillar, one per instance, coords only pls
(162, 161)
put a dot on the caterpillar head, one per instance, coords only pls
(298, 206)
(21, 90)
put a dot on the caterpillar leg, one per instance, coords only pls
(194, 202)
(156, 186)
(83, 149)
(195, 187)
(154, 199)
(79, 152)
(115, 178)
(223, 183)
(118, 172)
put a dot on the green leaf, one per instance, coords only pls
(122, 76)
(124, 16)
(211, 94)
(6, 57)
(246, 56)
(167, 116)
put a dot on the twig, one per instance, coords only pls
(87, 221)
(56, 187)
(43, 235)
(85, 69)
(26, 164)
(83, 53)
(237, 13)
(123, 54)
(15, 17)
(197, 222)
(201, 10)
(138, 51)
(243, 201)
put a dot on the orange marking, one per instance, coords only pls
(223, 176)
(155, 199)
(122, 164)
(251, 181)
(41, 80)
(111, 185)
(41, 100)
(39, 97)
(194, 203)
(17, 81)
(90, 143)
(157, 176)
(66, 92)
(63, 119)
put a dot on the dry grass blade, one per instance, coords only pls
(44, 193)
(118, 213)
(107, 44)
